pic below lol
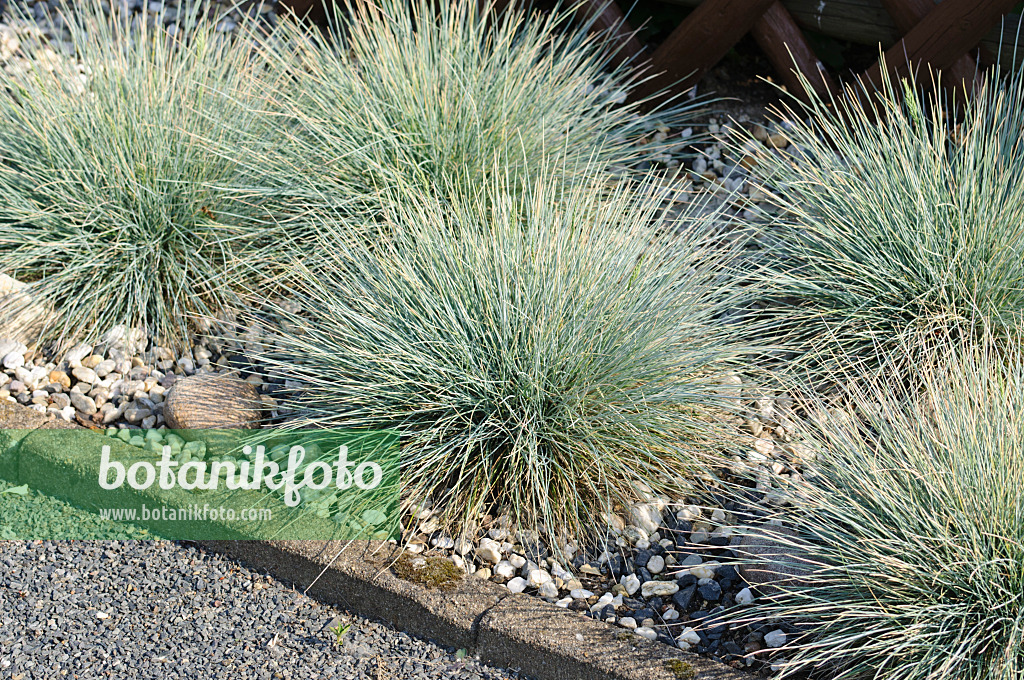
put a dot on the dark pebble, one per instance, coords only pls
(684, 597)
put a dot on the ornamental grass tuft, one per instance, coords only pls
(547, 352)
(909, 530)
(905, 228)
(430, 93)
(113, 208)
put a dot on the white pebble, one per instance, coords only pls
(14, 360)
(704, 570)
(548, 589)
(775, 639)
(504, 569)
(656, 564)
(688, 513)
(631, 583)
(744, 596)
(645, 632)
(86, 375)
(517, 561)
(689, 637)
(564, 602)
(517, 585)
(489, 551)
(538, 577)
(628, 622)
(580, 594)
(602, 602)
(659, 589)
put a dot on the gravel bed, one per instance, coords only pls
(156, 609)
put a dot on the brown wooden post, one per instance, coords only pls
(945, 34)
(701, 41)
(784, 44)
(963, 74)
(605, 15)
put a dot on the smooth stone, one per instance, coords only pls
(548, 589)
(659, 589)
(516, 585)
(645, 632)
(628, 622)
(656, 564)
(775, 639)
(135, 414)
(14, 360)
(690, 636)
(647, 516)
(92, 361)
(212, 402)
(504, 569)
(86, 375)
(768, 560)
(630, 583)
(692, 561)
(104, 368)
(704, 570)
(83, 404)
(487, 552)
(537, 577)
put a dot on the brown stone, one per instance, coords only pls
(212, 402)
(769, 561)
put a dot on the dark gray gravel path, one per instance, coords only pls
(157, 609)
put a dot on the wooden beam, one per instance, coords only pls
(945, 34)
(784, 44)
(605, 16)
(700, 42)
(962, 74)
(867, 22)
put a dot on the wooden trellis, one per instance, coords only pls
(940, 36)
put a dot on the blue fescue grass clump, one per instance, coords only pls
(439, 93)
(900, 221)
(552, 350)
(910, 528)
(113, 207)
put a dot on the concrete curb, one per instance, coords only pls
(515, 631)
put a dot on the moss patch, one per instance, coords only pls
(432, 572)
(681, 669)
